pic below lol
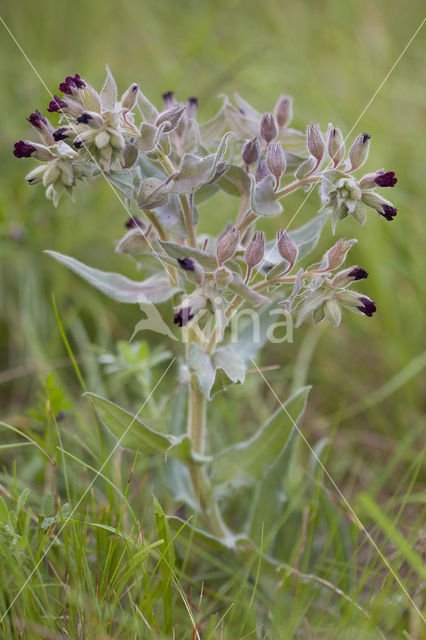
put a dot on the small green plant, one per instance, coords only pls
(230, 294)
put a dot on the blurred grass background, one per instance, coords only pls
(331, 56)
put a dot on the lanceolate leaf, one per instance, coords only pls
(235, 181)
(133, 434)
(186, 534)
(154, 289)
(200, 364)
(206, 260)
(245, 463)
(238, 286)
(109, 92)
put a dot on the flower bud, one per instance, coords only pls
(193, 270)
(91, 118)
(135, 223)
(315, 141)
(62, 133)
(72, 84)
(358, 152)
(222, 276)
(261, 171)
(152, 194)
(56, 105)
(333, 312)
(343, 278)
(336, 145)
(250, 151)
(268, 127)
(172, 116)
(129, 97)
(284, 110)
(168, 99)
(36, 175)
(378, 179)
(23, 149)
(227, 246)
(130, 155)
(354, 300)
(381, 205)
(102, 139)
(191, 107)
(287, 247)
(255, 250)
(337, 254)
(134, 242)
(275, 161)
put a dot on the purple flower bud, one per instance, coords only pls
(357, 273)
(275, 161)
(286, 246)
(56, 104)
(187, 264)
(168, 99)
(255, 249)
(268, 127)
(261, 171)
(23, 149)
(183, 316)
(36, 119)
(84, 118)
(191, 107)
(250, 152)
(386, 179)
(78, 144)
(368, 307)
(358, 152)
(284, 110)
(227, 246)
(61, 134)
(315, 141)
(336, 145)
(135, 223)
(388, 212)
(70, 83)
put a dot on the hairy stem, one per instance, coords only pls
(296, 185)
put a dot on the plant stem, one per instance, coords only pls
(197, 417)
(295, 185)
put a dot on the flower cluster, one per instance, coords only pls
(168, 164)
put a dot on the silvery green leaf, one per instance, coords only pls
(263, 198)
(211, 130)
(133, 242)
(229, 368)
(195, 171)
(293, 138)
(235, 181)
(293, 161)
(306, 239)
(238, 286)
(360, 212)
(205, 192)
(154, 289)
(187, 536)
(150, 136)
(247, 109)
(245, 463)
(311, 302)
(200, 364)
(245, 126)
(171, 216)
(148, 112)
(327, 185)
(109, 92)
(277, 270)
(132, 433)
(206, 260)
(298, 283)
(91, 99)
(251, 335)
(123, 181)
(148, 169)
(305, 167)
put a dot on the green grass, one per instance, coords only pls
(111, 572)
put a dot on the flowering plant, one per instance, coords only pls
(167, 164)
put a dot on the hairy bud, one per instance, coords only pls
(275, 161)
(129, 97)
(226, 246)
(250, 151)
(261, 171)
(193, 270)
(335, 145)
(130, 155)
(152, 194)
(315, 141)
(286, 246)
(255, 249)
(333, 312)
(268, 127)
(358, 153)
(284, 110)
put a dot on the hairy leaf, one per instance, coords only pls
(263, 200)
(206, 260)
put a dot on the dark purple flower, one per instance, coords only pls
(365, 137)
(71, 82)
(135, 223)
(168, 99)
(78, 144)
(23, 149)
(60, 134)
(187, 264)
(36, 119)
(183, 316)
(389, 212)
(56, 104)
(84, 118)
(386, 179)
(358, 273)
(368, 306)
(193, 102)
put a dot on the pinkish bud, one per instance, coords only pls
(284, 110)
(336, 145)
(286, 246)
(255, 249)
(268, 127)
(275, 161)
(358, 152)
(250, 152)
(316, 143)
(129, 97)
(261, 171)
(226, 246)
